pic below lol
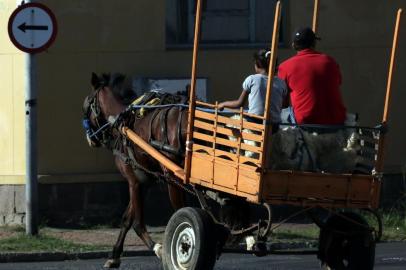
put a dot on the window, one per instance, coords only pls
(224, 22)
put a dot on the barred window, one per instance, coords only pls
(224, 22)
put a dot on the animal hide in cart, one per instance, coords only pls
(296, 149)
(299, 150)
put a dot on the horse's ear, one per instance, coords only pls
(95, 81)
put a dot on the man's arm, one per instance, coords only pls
(235, 103)
(283, 76)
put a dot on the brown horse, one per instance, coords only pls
(166, 127)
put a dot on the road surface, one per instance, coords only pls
(388, 257)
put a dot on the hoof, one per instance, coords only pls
(250, 241)
(112, 263)
(158, 250)
(324, 266)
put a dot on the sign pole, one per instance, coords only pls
(31, 178)
(32, 28)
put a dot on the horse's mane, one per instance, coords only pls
(121, 86)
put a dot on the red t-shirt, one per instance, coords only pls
(314, 81)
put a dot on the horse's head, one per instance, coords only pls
(111, 93)
(94, 119)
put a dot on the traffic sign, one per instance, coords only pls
(32, 27)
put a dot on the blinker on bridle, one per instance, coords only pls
(92, 107)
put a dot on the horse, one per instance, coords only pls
(110, 96)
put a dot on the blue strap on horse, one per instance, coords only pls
(89, 130)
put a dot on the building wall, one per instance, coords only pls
(129, 36)
(12, 132)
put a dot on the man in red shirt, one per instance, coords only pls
(313, 80)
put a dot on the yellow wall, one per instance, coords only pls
(12, 147)
(129, 36)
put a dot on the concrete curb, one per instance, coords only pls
(275, 248)
(64, 256)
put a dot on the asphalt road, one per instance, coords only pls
(389, 257)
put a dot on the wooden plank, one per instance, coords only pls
(251, 148)
(230, 155)
(213, 106)
(204, 137)
(225, 173)
(266, 146)
(228, 131)
(202, 167)
(248, 197)
(225, 157)
(381, 152)
(204, 125)
(233, 144)
(229, 121)
(209, 150)
(320, 187)
(165, 161)
(234, 132)
(319, 203)
(192, 94)
(248, 181)
(315, 16)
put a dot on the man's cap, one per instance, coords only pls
(305, 36)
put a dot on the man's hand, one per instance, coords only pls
(221, 106)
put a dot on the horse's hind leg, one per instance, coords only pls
(140, 228)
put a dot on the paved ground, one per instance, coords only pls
(104, 237)
(107, 237)
(96, 236)
(390, 256)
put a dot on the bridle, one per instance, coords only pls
(97, 136)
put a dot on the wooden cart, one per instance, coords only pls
(190, 242)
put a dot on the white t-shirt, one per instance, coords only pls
(255, 85)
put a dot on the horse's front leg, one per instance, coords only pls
(114, 260)
(129, 214)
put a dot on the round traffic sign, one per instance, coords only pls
(32, 27)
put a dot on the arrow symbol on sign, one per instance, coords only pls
(24, 27)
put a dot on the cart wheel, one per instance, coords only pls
(344, 244)
(189, 241)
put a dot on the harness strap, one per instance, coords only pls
(179, 131)
(154, 114)
(164, 125)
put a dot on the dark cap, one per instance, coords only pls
(304, 37)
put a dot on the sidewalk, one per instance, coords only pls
(105, 238)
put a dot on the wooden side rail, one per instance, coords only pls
(169, 164)
(315, 16)
(192, 94)
(213, 106)
(379, 166)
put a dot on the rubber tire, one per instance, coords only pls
(204, 256)
(357, 248)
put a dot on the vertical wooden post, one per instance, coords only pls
(271, 74)
(315, 16)
(192, 95)
(379, 163)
